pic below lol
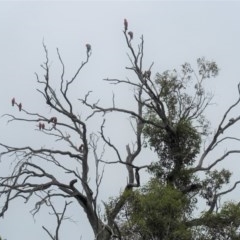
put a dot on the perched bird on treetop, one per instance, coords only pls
(125, 24)
(20, 107)
(88, 46)
(130, 35)
(13, 101)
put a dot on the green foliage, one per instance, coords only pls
(213, 182)
(184, 101)
(163, 208)
(206, 68)
(158, 212)
(181, 147)
(222, 225)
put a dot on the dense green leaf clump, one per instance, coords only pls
(158, 212)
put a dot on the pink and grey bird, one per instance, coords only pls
(125, 24)
(88, 46)
(41, 126)
(20, 107)
(130, 33)
(53, 120)
(13, 101)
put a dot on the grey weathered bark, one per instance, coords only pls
(29, 177)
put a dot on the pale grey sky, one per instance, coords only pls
(174, 32)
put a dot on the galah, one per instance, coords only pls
(13, 101)
(54, 120)
(88, 46)
(125, 24)
(130, 33)
(20, 107)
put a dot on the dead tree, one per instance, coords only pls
(30, 178)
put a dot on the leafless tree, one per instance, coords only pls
(31, 178)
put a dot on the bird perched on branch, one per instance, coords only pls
(125, 25)
(88, 46)
(130, 33)
(53, 120)
(13, 101)
(20, 107)
(41, 126)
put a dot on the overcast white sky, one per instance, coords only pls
(174, 32)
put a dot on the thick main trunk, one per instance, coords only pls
(102, 232)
